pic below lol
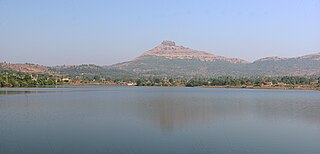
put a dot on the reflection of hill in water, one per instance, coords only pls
(172, 111)
(169, 112)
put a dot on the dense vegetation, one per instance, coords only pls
(254, 81)
(17, 79)
(90, 72)
(230, 81)
(160, 66)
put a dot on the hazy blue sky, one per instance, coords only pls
(106, 32)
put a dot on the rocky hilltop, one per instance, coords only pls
(169, 49)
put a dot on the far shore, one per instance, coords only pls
(266, 87)
(285, 87)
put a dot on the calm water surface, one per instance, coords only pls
(151, 120)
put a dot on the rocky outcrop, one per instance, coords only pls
(168, 43)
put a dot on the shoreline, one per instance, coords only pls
(288, 87)
(265, 87)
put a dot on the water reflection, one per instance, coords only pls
(159, 120)
(52, 89)
(6, 92)
(172, 112)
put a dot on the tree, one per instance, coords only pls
(51, 81)
(171, 80)
(96, 78)
(157, 80)
(2, 82)
(139, 82)
(27, 78)
(41, 80)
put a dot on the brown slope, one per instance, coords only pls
(28, 68)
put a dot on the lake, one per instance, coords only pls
(152, 120)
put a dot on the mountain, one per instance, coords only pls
(170, 50)
(171, 60)
(168, 59)
(298, 66)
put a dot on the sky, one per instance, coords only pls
(105, 32)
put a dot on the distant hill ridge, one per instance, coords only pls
(169, 59)
(28, 68)
(315, 56)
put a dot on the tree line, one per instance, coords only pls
(230, 81)
(222, 81)
(18, 79)
(254, 81)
